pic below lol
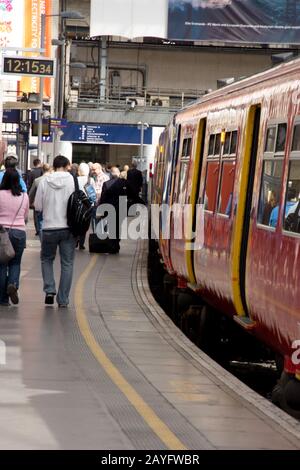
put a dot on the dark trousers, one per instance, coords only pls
(37, 218)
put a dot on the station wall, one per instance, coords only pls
(177, 69)
(189, 69)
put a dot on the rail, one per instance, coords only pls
(124, 98)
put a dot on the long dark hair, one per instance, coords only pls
(11, 180)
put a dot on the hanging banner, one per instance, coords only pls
(249, 21)
(11, 23)
(129, 18)
(32, 39)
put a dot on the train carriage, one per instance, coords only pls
(236, 154)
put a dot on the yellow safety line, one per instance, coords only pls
(144, 410)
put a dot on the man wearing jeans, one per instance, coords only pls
(51, 199)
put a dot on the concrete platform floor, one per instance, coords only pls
(113, 372)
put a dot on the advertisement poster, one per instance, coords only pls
(250, 21)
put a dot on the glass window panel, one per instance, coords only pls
(296, 139)
(291, 212)
(188, 147)
(217, 144)
(211, 145)
(184, 145)
(270, 141)
(270, 192)
(281, 138)
(233, 143)
(227, 144)
(182, 184)
(226, 188)
(211, 186)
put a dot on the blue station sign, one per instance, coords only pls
(104, 134)
(11, 116)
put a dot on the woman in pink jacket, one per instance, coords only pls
(14, 207)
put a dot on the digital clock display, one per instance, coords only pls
(33, 66)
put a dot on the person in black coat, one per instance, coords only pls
(112, 190)
(135, 179)
(36, 172)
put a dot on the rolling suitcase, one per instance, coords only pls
(107, 245)
(103, 246)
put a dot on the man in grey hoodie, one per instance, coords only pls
(51, 199)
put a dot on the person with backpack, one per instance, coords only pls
(52, 199)
(87, 184)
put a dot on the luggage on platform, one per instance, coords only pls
(103, 245)
(96, 245)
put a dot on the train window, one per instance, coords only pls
(296, 139)
(233, 143)
(270, 192)
(230, 143)
(211, 185)
(226, 187)
(211, 145)
(276, 138)
(291, 212)
(226, 150)
(217, 144)
(281, 138)
(182, 186)
(186, 147)
(270, 141)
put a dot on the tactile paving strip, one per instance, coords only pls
(138, 432)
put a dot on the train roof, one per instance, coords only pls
(239, 85)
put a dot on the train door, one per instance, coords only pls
(180, 192)
(240, 246)
(167, 195)
(212, 259)
(192, 198)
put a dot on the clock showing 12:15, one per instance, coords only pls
(34, 66)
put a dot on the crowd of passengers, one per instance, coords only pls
(46, 189)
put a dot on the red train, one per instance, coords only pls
(236, 153)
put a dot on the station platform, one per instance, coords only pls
(113, 372)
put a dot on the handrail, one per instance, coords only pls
(164, 99)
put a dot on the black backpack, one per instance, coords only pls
(79, 211)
